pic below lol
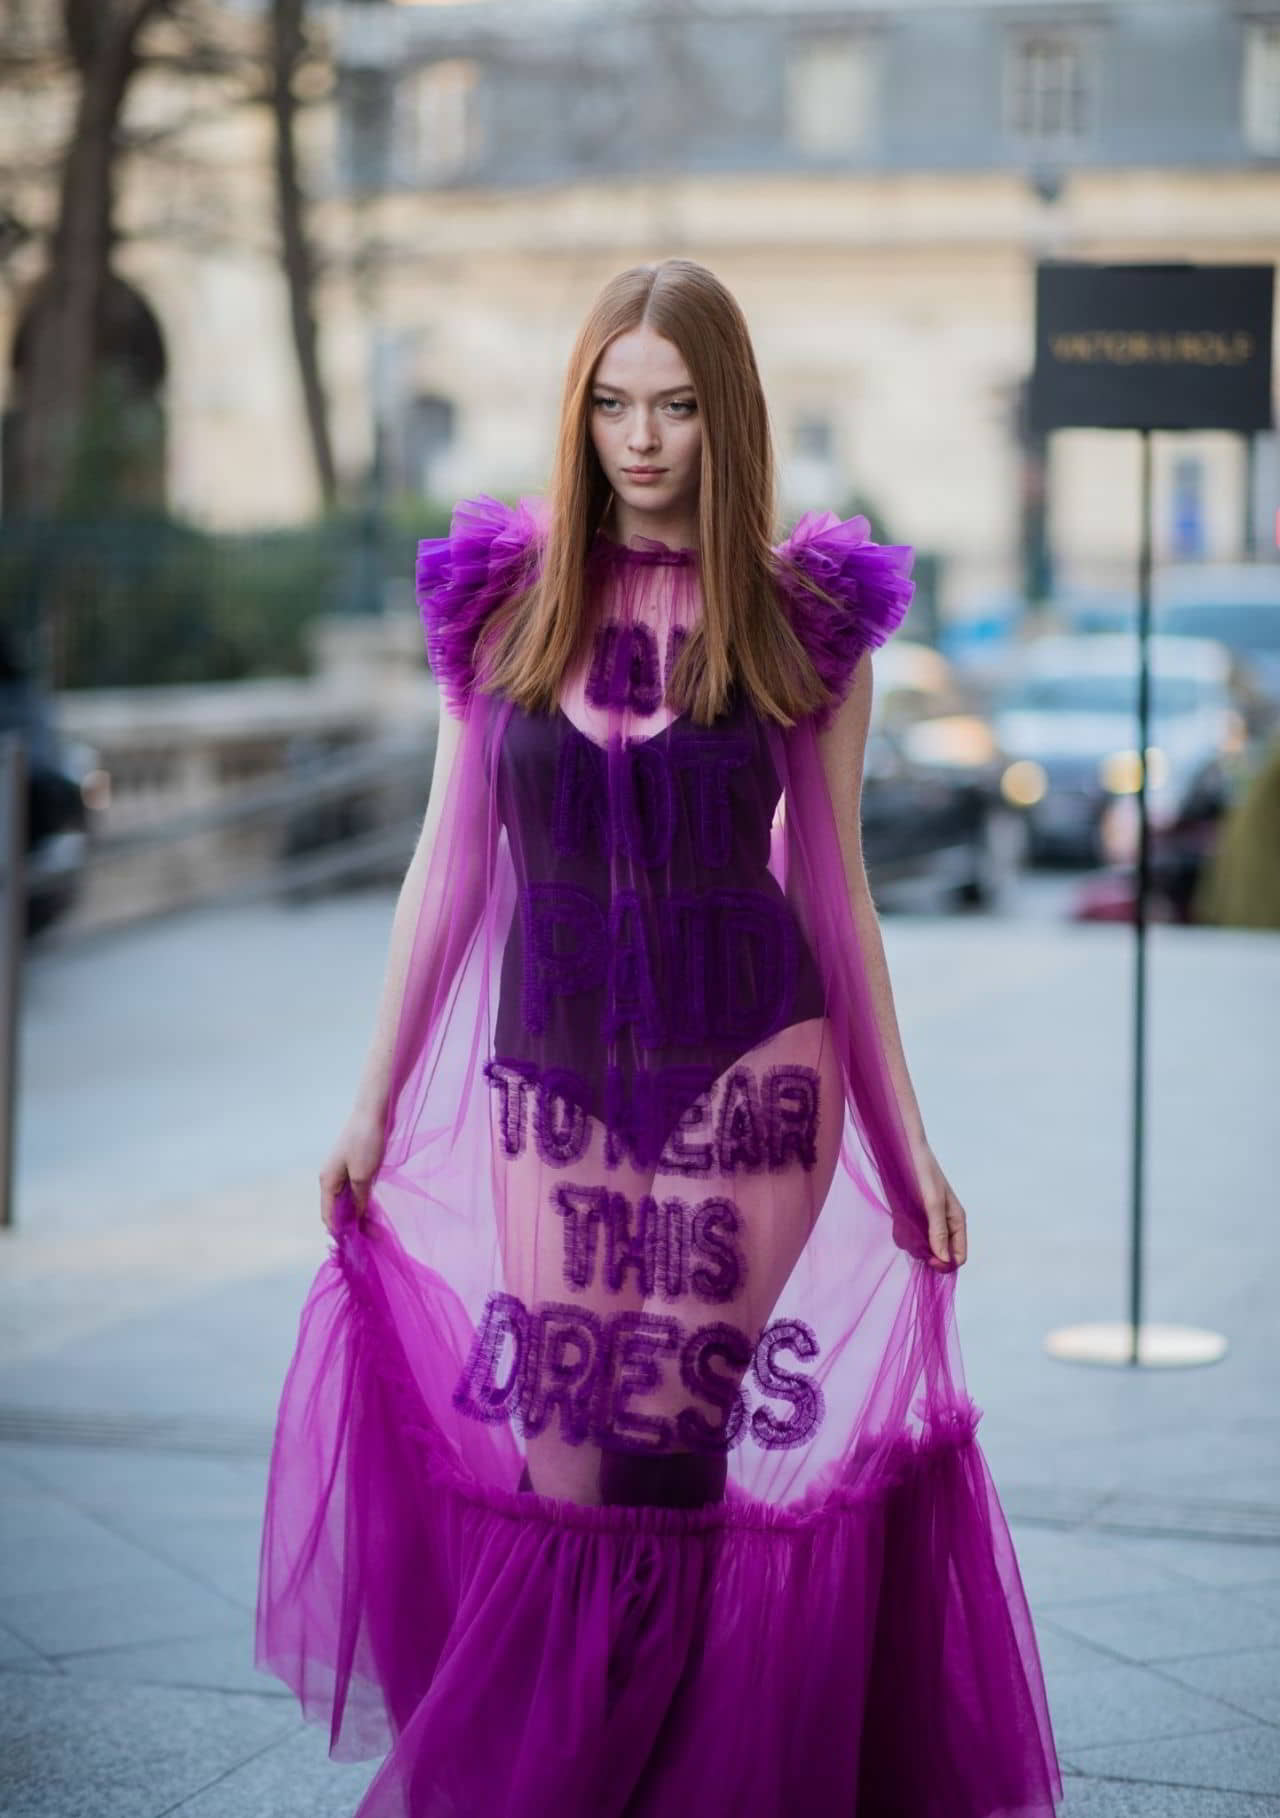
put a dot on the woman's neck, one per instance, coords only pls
(678, 529)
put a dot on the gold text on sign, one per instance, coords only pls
(1140, 347)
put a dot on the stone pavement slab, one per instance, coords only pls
(1248, 1681)
(158, 1607)
(294, 1779)
(1086, 1798)
(1168, 1625)
(1113, 1704)
(220, 1662)
(1244, 1759)
(74, 1748)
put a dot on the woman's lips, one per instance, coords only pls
(643, 476)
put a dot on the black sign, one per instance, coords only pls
(1152, 347)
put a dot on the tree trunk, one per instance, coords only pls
(295, 249)
(63, 326)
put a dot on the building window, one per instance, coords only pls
(439, 127)
(1047, 91)
(1262, 89)
(427, 431)
(829, 95)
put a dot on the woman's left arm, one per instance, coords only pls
(842, 745)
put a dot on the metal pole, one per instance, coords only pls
(1117, 1342)
(13, 924)
(1249, 525)
(1140, 909)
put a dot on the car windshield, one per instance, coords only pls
(1102, 693)
(1239, 627)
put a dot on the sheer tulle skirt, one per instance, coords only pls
(758, 1566)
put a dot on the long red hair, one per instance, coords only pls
(743, 633)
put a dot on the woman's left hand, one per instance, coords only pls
(948, 1232)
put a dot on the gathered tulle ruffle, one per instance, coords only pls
(869, 582)
(488, 554)
(491, 551)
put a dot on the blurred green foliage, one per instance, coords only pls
(139, 599)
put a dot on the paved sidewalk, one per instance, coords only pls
(180, 1086)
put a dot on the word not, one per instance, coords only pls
(663, 1117)
(631, 803)
(562, 1361)
(692, 967)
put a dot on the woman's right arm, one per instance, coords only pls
(358, 1151)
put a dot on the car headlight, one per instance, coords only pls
(1024, 783)
(1120, 772)
(95, 790)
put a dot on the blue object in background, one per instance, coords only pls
(1188, 508)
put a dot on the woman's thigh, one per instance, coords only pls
(624, 1271)
(776, 1121)
(563, 1231)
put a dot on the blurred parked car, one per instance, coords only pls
(1068, 712)
(65, 786)
(1183, 853)
(934, 807)
(1235, 604)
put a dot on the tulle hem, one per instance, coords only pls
(522, 1656)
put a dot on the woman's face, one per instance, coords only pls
(645, 425)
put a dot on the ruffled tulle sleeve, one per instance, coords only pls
(489, 553)
(869, 583)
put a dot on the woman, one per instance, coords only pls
(625, 1464)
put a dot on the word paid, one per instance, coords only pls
(688, 968)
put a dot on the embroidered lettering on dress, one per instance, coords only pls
(801, 1391)
(624, 669)
(562, 1364)
(711, 966)
(722, 1391)
(561, 1369)
(637, 1344)
(651, 1244)
(676, 1119)
(624, 800)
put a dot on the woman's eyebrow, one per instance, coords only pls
(622, 392)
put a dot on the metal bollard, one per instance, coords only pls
(13, 923)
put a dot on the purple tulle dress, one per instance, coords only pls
(625, 1466)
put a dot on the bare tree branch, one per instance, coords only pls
(63, 329)
(287, 51)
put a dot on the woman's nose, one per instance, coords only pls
(644, 432)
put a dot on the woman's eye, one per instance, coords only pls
(684, 407)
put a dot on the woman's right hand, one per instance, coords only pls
(353, 1162)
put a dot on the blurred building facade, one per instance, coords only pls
(874, 181)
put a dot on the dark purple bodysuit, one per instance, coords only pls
(651, 946)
